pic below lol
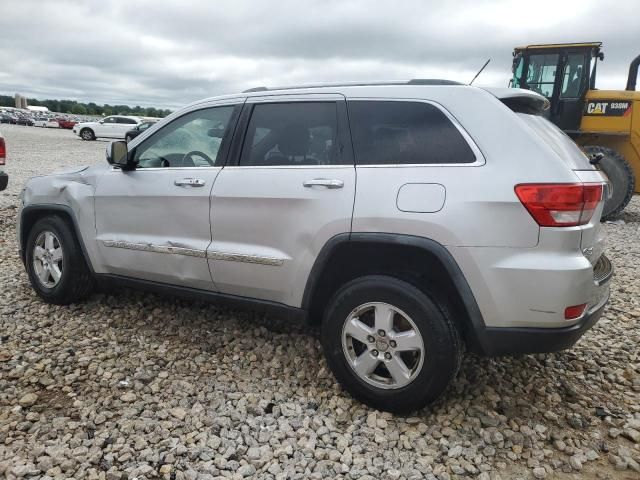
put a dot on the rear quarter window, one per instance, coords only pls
(401, 132)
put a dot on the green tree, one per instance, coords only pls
(79, 109)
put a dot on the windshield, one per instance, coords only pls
(559, 141)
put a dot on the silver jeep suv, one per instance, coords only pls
(411, 220)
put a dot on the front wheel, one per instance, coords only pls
(87, 134)
(55, 263)
(389, 344)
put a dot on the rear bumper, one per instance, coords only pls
(507, 341)
(4, 181)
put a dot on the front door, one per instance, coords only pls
(573, 86)
(153, 222)
(105, 127)
(290, 188)
(563, 78)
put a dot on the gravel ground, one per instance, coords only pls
(132, 385)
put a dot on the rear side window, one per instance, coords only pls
(129, 121)
(399, 132)
(294, 134)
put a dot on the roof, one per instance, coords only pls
(560, 45)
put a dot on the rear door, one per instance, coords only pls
(122, 125)
(152, 223)
(290, 188)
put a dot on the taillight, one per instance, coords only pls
(3, 151)
(560, 204)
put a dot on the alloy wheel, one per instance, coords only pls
(48, 259)
(383, 345)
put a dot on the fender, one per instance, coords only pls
(31, 210)
(477, 340)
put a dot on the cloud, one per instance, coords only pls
(169, 53)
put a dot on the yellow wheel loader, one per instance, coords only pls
(605, 123)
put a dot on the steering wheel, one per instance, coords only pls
(195, 153)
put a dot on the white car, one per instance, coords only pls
(45, 122)
(115, 126)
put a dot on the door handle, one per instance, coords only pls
(189, 182)
(323, 182)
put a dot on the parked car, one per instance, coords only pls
(410, 221)
(66, 123)
(26, 121)
(115, 126)
(45, 122)
(5, 118)
(137, 130)
(4, 178)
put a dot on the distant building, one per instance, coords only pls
(21, 102)
(34, 108)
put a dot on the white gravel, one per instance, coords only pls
(132, 385)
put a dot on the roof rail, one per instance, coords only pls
(414, 81)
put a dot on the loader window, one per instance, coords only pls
(541, 74)
(573, 75)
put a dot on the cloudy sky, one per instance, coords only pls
(168, 53)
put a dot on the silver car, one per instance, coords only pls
(411, 220)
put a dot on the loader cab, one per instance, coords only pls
(563, 73)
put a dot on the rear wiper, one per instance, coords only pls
(594, 158)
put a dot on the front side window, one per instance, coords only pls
(399, 132)
(541, 73)
(572, 76)
(300, 133)
(192, 140)
(517, 71)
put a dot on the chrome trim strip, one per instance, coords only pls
(245, 258)
(189, 252)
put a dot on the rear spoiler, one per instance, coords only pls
(520, 100)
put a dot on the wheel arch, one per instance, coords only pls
(345, 257)
(30, 214)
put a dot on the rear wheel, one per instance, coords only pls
(55, 263)
(621, 179)
(389, 344)
(87, 134)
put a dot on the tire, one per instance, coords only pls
(75, 280)
(621, 179)
(87, 134)
(441, 344)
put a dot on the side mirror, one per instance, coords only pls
(118, 154)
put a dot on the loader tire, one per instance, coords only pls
(621, 179)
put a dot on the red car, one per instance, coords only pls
(4, 178)
(66, 123)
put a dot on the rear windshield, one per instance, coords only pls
(559, 141)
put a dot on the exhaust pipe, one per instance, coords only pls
(633, 73)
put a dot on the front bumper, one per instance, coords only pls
(4, 181)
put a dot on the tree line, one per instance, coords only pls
(80, 108)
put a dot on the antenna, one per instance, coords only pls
(480, 71)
